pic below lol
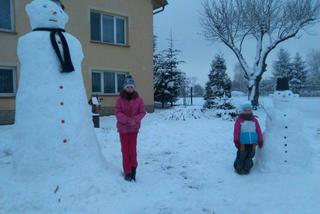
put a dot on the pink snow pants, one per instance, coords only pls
(129, 151)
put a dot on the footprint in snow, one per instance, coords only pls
(208, 211)
(5, 157)
(184, 175)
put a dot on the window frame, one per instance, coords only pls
(101, 72)
(12, 17)
(115, 18)
(14, 77)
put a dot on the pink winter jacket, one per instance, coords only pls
(127, 111)
(237, 131)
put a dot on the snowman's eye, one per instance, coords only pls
(289, 94)
(279, 94)
(45, 6)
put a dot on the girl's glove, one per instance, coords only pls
(260, 145)
(237, 144)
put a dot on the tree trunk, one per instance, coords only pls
(254, 90)
(255, 101)
(162, 101)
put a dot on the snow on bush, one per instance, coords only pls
(184, 114)
(195, 113)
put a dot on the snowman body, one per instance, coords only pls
(53, 119)
(286, 148)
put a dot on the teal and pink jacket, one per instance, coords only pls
(247, 131)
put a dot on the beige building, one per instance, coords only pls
(117, 39)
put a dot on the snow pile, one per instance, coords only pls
(184, 114)
(238, 94)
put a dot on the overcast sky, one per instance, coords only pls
(182, 17)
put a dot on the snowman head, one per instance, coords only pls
(46, 14)
(282, 97)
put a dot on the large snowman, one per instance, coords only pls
(286, 147)
(53, 121)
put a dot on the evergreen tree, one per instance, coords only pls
(198, 90)
(168, 77)
(218, 88)
(282, 66)
(159, 75)
(298, 74)
(267, 86)
(157, 58)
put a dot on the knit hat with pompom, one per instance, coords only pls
(129, 82)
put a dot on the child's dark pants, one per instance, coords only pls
(245, 154)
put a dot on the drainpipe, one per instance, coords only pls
(159, 10)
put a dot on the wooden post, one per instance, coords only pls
(191, 94)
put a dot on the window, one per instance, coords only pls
(107, 82)
(109, 29)
(6, 15)
(7, 81)
(95, 27)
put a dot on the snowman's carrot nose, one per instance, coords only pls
(54, 13)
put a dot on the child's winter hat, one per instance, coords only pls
(129, 82)
(245, 106)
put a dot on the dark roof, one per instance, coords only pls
(159, 3)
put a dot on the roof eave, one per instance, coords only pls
(159, 4)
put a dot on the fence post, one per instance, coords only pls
(191, 93)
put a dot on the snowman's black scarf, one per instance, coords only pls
(65, 61)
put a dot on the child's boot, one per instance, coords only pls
(128, 177)
(133, 173)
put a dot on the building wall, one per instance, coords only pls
(135, 58)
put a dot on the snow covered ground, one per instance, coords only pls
(186, 168)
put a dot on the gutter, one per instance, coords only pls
(159, 10)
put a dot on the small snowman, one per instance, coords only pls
(53, 120)
(285, 143)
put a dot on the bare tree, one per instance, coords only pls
(268, 22)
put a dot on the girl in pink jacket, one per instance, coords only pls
(129, 112)
(247, 135)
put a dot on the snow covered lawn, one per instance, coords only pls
(186, 167)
